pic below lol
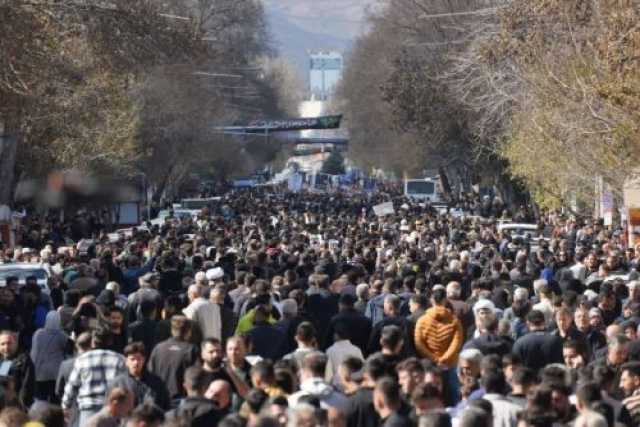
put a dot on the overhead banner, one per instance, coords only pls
(286, 125)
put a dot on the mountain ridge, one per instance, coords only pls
(293, 35)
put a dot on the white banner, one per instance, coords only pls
(384, 209)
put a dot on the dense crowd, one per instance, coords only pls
(281, 309)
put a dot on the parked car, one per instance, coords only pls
(177, 213)
(24, 270)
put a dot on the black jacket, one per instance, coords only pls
(228, 318)
(358, 325)
(361, 411)
(288, 328)
(489, 344)
(374, 338)
(149, 388)
(23, 373)
(144, 330)
(412, 320)
(267, 340)
(322, 307)
(538, 349)
(196, 412)
(169, 360)
(595, 341)
(170, 282)
(397, 420)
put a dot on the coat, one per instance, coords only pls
(538, 349)
(196, 412)
(23, 375)
(439, 336)
(49, 347)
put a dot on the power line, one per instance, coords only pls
(486, 11)
(203, 73)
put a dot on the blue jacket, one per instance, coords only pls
(375, 308)
(131, 276)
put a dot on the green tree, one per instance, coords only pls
(334, 164)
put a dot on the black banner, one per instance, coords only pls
(265, 126)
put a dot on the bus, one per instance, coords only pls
(423, 190)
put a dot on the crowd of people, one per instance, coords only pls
(282, 309)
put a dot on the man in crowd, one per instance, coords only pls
(203, 313)
(538, 348)
(195, 409)
(119, 403)
(145, 386)
(17, 366)
(172, 357)
(91, 374)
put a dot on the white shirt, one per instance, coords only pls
(336, 354)
(546, 308)
(207, 315)
(505, 412)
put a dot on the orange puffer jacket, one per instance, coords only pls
(439, 336)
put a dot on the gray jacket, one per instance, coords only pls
(48, 348)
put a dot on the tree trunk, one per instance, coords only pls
(444, 181)
(8, 150)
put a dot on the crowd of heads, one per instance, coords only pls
(273, 309)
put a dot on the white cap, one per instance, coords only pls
(484, 304)
(215, 273)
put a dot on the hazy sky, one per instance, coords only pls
(341, 18)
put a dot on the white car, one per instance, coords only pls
(24, 270)
(177, 213)
(126, 232)
(527, 232)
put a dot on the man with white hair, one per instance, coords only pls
(469, 364)
(460, 307)
(634, 292)
(203, 313)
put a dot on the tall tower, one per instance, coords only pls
(325, 71)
